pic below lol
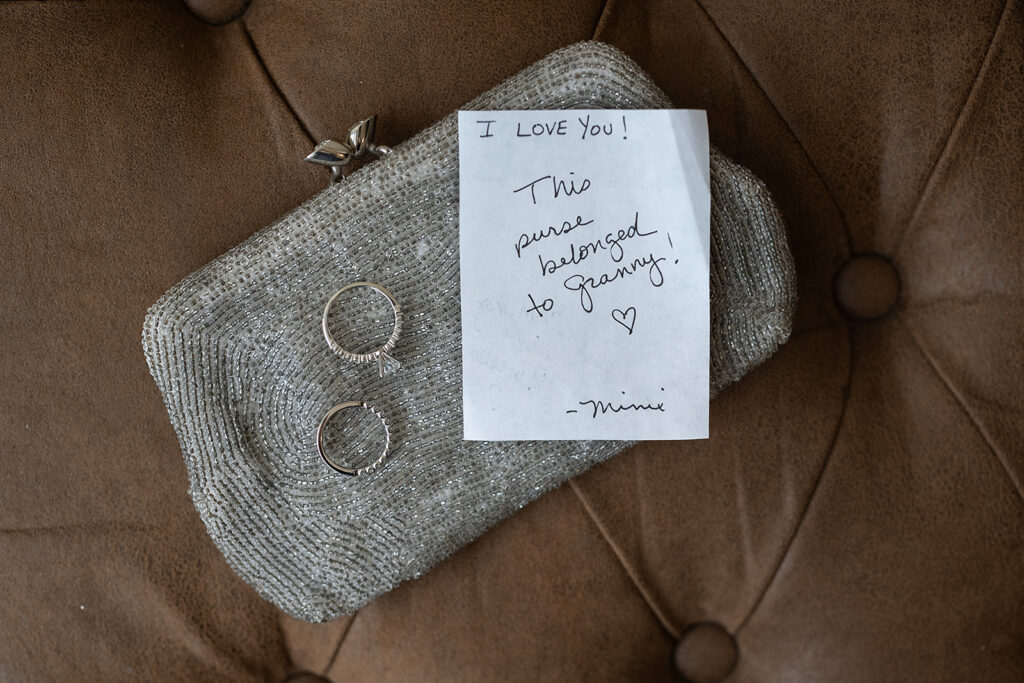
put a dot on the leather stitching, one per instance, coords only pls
(658, 612)
(958, 397)
(341, 641)
(958, 126)
(789, 128)
(602, 19)
(814, 490)
(274, 85)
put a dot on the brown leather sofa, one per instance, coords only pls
(858, 513)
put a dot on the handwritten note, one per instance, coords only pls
(584, 269)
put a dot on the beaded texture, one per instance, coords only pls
(237, 351)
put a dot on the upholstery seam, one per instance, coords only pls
(810, 497)
(337, 648)
(602, 19)
(274, 84)
(954, 133)
(785, 122)
(621, 557)
(963, 406)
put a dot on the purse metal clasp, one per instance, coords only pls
(336, 154)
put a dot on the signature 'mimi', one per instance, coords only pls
(602, 407)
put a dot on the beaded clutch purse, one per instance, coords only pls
(238, 352)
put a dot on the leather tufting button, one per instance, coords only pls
(867, 287)
(706, 653)
(217, 12)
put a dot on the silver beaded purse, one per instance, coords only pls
(238, 352)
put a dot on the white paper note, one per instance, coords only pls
(584, 270)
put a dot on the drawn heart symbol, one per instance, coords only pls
(622, 316)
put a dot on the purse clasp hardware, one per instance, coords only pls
(336, 154)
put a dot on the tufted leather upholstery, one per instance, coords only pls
(858, 513)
